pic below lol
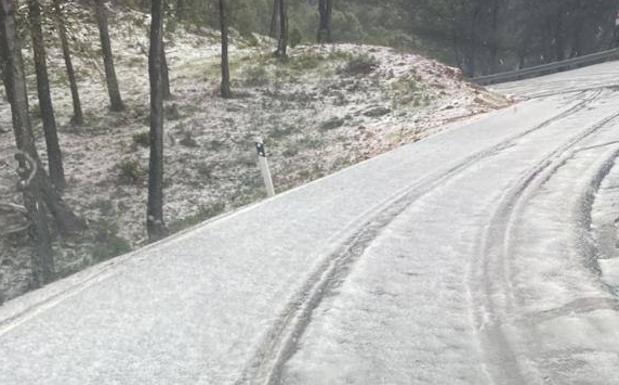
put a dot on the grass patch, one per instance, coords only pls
(291, 151)
(296, 37)
(35, 111)
(358, 65)
(248, 195)
(409, 91)
(305, 62)
(278, 132)
(108, 244)
(131, 172)
(256, 76)
(203, 213)
(141, 139)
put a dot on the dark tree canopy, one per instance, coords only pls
(485, 36)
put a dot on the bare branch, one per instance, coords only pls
(6, 207)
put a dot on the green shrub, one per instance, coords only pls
(332, 123)
(305, 62)
(35, 110)
(251, 40)
(256, 76)
(205, 169)
(107, 243)
(290, 151)
(295, 37)
(131, 172)
(142, 139)
(245, 196)
(104, 206)
(172, 112)
(360, 65)
(188, 140)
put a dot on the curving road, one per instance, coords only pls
(484, 254)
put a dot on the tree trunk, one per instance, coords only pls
(615, 35)
(66, 221)
(274, 19)
(494, 38)
(154, 222)
(470, 55)
(282, 43)
(577, 32)
(42, 260)
(325, 9)
(78, 116)
(15, 84)
(165, 74)
(180, 9)
(559, 46)
(225, 68)
(54, 155)
(116, 103)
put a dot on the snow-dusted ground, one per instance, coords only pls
(470, 257)
(327, 108)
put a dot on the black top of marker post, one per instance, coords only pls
(261, 150)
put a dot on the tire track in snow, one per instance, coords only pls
(493, 294)
(281, 342)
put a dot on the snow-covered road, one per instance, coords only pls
(481, 255)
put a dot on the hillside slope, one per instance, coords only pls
(326, 108)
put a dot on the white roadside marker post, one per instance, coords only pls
(264, 167)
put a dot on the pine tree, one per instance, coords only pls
(274, 19)
(29, 164)
(282, 41)
(325, 9)
(15, 84)
(54, 155)
(165, 74)
(116, 103)
(225, 68)
(78, 115)
(154, 222)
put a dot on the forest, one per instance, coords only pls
(46, 47)
(479, 36)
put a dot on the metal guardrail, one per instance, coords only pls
(550, 68)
